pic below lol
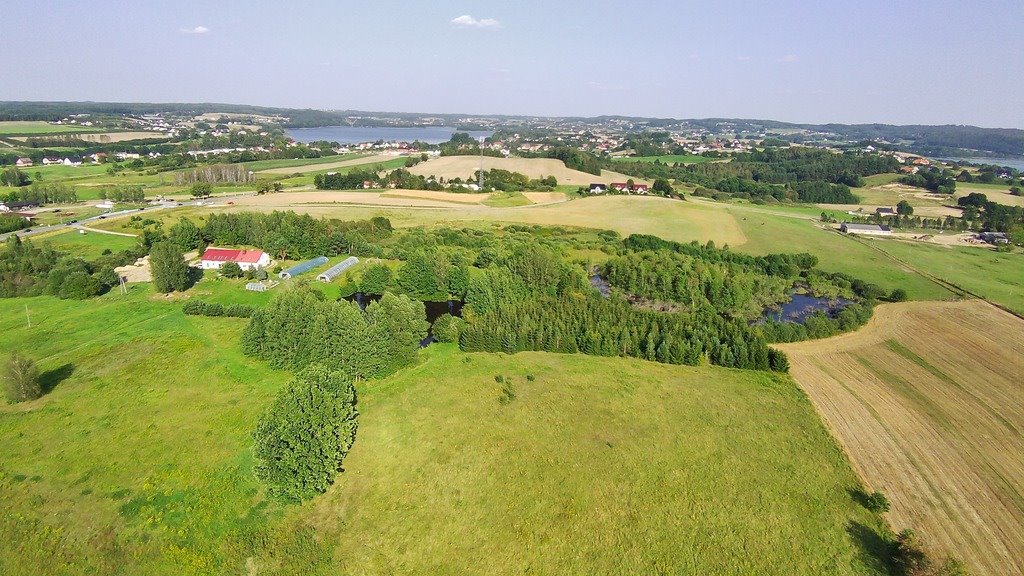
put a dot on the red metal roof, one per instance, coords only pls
(228, 255)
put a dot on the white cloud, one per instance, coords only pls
(743, 58)
(790, 58)
(467, 21)
(196, 30)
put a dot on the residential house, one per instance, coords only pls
(23, 162)
(214, 258)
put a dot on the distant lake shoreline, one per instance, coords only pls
(360, 134)
(1017, 163)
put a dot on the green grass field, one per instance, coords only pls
(767, 233)
(668, 159)
(88, 246)
(32, 128)
(997, 277)
(137, 462)
(507, 200)
(298, 162)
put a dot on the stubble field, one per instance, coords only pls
(928, 401)
(464, 167)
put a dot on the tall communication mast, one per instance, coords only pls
(480, 176)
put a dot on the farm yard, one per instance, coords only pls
(927, 400)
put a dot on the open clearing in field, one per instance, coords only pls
(299, 201)
(603, 466)
(37, 127)
(997, 194)
(90, 245)
(669, 219)
(321, 166)
(928, 401)
(464, 167)
(110, 137)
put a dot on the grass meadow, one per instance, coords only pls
(34, 128)
(137, 461)
(88, 246)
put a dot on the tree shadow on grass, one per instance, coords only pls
(51, 378)
(875, 550)
(859, 496)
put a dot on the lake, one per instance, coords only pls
(360, 134)
(1017, 163)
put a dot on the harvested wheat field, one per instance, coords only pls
(376, 159)
(928, 401)
(456, 197)
(408, 198)
(465, 166)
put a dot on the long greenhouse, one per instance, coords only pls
(302, 267)
(333, 272)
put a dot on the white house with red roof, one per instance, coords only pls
(214, 258)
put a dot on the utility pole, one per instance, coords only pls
(480, 178)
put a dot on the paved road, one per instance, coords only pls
(35, 230)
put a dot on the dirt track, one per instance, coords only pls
(928, 401)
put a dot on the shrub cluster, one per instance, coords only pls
(298, 328)
(301, 440)
(200, 308)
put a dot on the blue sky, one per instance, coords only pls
(814, 61)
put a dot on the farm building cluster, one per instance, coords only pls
(619, 187)
(215, 258)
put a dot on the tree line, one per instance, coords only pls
(798, 174)
(30, 270)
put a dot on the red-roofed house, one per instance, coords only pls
(620, 186)
(214, 258)
(640, 188)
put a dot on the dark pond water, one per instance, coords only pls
(434, 310)
(802, 306)
(601, 284)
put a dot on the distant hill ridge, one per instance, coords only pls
(948, 139)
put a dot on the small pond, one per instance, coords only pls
(801, 306)
(434, 310)
(602, 285)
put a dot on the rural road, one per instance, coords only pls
(34, 231)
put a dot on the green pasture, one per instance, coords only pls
(34, 128)
(137, 461)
